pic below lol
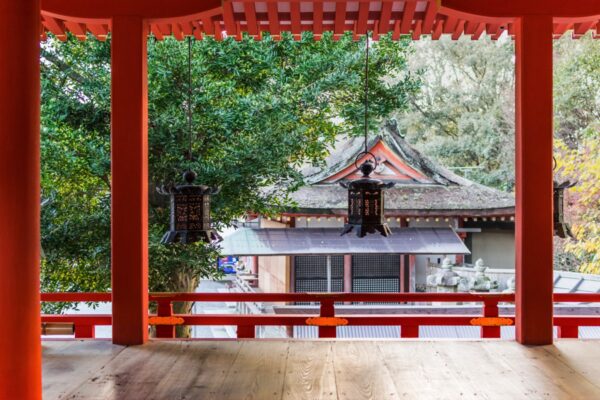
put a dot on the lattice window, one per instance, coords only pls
(376, 273)
(311, 274)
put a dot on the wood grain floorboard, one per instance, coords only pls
(200, 371)
(257, 373)
(310, 373)
(66, 364)
(321, 369)
(360, 373)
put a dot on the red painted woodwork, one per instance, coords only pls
(409, 331)
(513, 8)
(246, 331)
(533, 220)
(254, 17)
(347, 273)
(152, 10)
(409, 323)
(490, 310)
(20, 351)
(129, 142)
(85, 331)
(402, 171)
(315, 297)
(568, 332)
(327, 310)
(164, 308)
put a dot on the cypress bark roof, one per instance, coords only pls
(422, 186)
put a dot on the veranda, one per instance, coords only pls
(532, 23)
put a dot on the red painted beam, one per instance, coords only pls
(318, 17)
(250, 13)
(340, 17)
(416, 34)
(515, 8)
(92, 11)
(450, 25)
(478, 31)
(100, 31)
(208, 26)
(363, 17)
(228, 19)
(384, 19)
(534, 185)
(76, 297)
(77, 29)
(55, 26)
(458, 31)
(336, 297)
(20, 350)
(407, 16)
(430, 14)
(315, 297)
(437, 29)
(274, 18)
(129, 144)
(295, 17)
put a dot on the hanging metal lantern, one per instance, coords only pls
(365, 195)
(366, 210)
(190, 204)
(561, 227)
(190, 213)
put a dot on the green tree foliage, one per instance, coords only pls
(577, 132)
(261, 110)
(576, 90)
(464, 114)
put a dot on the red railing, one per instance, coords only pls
(327, 319)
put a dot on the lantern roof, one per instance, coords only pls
(421, 185)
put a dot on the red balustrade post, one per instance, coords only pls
(246, 331)
(129, 148)
(533, 142)
(327, 310)
(409, 331)
(86, 331)
(165, 309)
(568, 332)
(20, 347)
(490, 310)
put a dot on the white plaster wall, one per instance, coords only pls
(495, 248)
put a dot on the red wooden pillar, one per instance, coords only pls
(20, 349)
(534, 133)
(129, 180)
(347, 273)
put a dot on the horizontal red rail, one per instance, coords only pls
(317, 297)
(290, 297)
(568, 326)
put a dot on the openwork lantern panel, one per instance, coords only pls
(190, 214)
(366, 204)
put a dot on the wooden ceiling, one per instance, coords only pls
(235, 17)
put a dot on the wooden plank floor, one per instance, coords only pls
(340, 369)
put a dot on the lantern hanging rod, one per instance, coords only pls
(366, 91)
(189, 110)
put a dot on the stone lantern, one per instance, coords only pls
(481, 282)
(445, 280)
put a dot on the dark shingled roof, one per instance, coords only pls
(437, 192)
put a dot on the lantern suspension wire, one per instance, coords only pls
(366, 90)
(189, 110)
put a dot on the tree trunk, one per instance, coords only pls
(184, 282)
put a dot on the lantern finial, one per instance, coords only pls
(189, 176)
